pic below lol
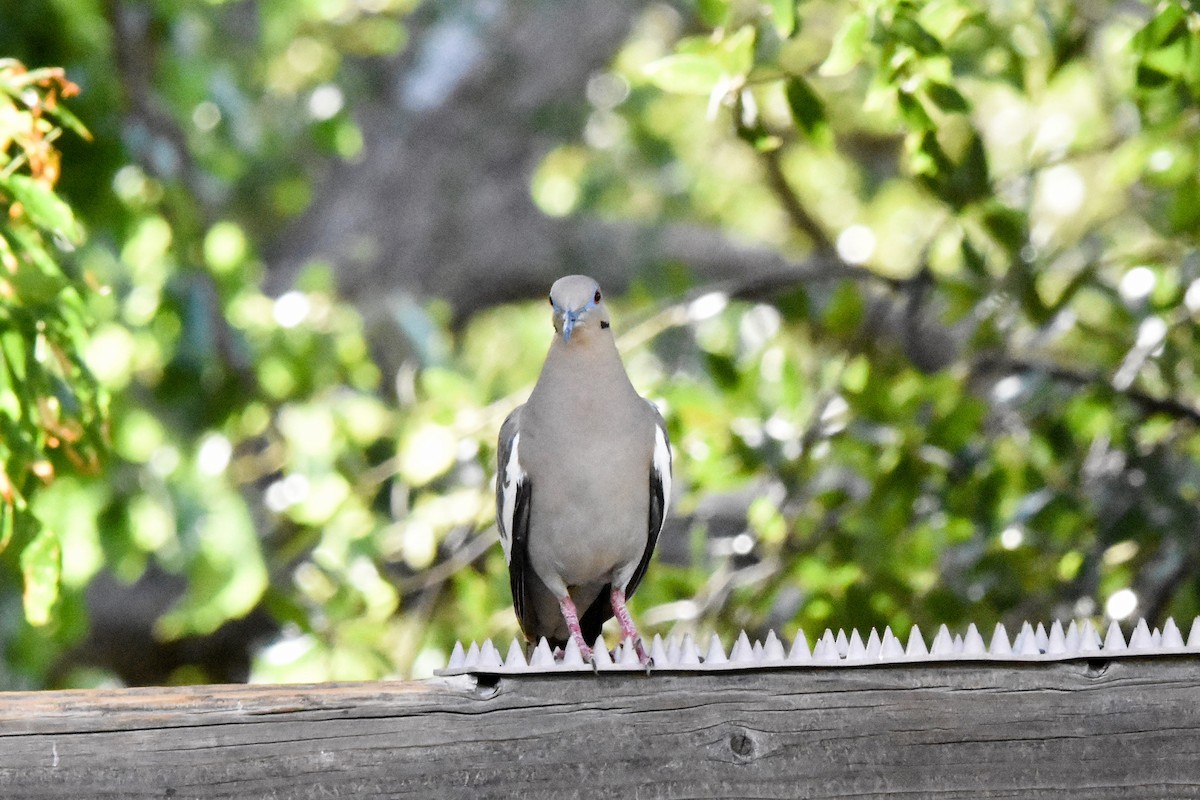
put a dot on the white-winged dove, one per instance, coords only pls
(583, 483)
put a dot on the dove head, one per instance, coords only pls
(579, 308)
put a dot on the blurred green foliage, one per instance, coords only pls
(987, 411)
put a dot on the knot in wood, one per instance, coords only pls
(742, 744)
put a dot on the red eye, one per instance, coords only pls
(596, 299)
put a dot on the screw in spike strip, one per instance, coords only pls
(773, 649)
(1041, 637)
(1089, 638)
(916, 645)
(1114, 640)
(742, 651)
(1057, 643)
(457, 657)
(472, 659)
(1027, 644)
(1193, 639)
(1141, 639)
(829, 642)
(874, 645)
(973, 643)
(890, 648)
(716, 653)
(943, 643)
(1000, 645)
(800, 653)
(1170, 634)
(515, 659)
(825, 651)
(658, 652)
(856, 650)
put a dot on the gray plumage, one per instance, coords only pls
(583, 480)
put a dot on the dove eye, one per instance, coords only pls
(550, 299)
(596, 299)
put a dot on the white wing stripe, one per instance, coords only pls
(662, 465)
(512, 477)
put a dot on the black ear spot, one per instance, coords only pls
(596, 299)
(603, 324)
(550, 298)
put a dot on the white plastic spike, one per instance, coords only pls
(489, 656)
(1155, 638)
(689, 654)
(572, 658)
(515, 659)
(629, 654)
(1027, 642)
(842, 643)
(825, 651)
(958, 644)
(1056, 645)
(773, 649)
(757, 650)
(1114, 639)
(716, 653)
(457, 657)
(890, 648)
(1194, 634)
(856, 650)
(472, 659)
(800, 653)
(973, 643)
(1171, 636)
(1140, 639)
(600, 656)
(1089, 638)
(874, 645)
(542, 656)
(1041, 637)
(674, 649)
(916, 645)
(1071, 638)
(1000, 645)
(943, 642)
(830, 642)
(742, 651)
(658, 652)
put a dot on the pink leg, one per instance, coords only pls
(572, 617)
(628, 629)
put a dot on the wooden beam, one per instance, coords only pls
(1087, 729)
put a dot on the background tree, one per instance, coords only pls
(917, 284)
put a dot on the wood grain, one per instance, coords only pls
(1126, 728)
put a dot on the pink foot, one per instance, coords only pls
(572, 617)
(628, 629)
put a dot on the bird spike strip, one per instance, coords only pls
(1076, 641)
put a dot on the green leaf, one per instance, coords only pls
(844, 314)
(784, 14)
(7, 520)
(738, 51)
(909, 31)
(41, 567)
(913, 111)
(947, 98)
(45, 209)
(685, 73)
(848, 44)
(807, 107)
